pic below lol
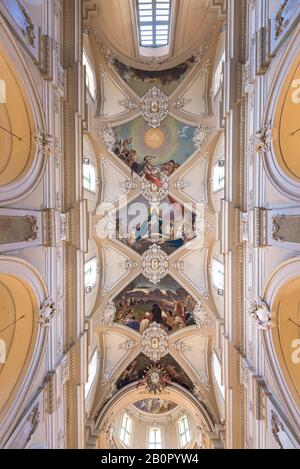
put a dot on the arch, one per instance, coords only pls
(275, 165)
(282, 287)
(130, 394)
(21, 106)
(22, 292)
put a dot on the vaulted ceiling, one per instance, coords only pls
(115, 23)
(155, 225)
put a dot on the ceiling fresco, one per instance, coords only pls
(141, 303)
(155, 406)
(162, 219)
(145, 149)
(166, 80)
(137, 370)
(169, 225)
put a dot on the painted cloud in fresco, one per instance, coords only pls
(141, 80)
(167, 304)
(155, 406)
(143, 148)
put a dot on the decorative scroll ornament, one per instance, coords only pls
(201, 316)
(106, 228)
(181, 346)
(107, 135)
(155, 264)
(47, 312)
(277, 429)
(155, 107)
(155, 342)
(180, 103)
(109, 56)
(204, 379)
(203, 226)
(107, 316)
(277, 236)
(199, 53)
(130, 265)
(128, 345)
(33, 228)
(260, 312)
(28, 29)
(154, 192)
(43, 142)
(128, 104)
(264, 139)
(281, 22)
(156, 379)
(202, 134)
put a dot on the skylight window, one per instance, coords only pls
(154, 22)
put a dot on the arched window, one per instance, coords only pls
(184, 431)
(219, 176)
(217, 370)
(155, 438)
(90, 274)
(89, 175)
(126, 430)
(218, 276)
(92, 371)
(90, 80)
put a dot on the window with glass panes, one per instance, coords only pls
(154, 22)
(184, 431)
(155, 438)
(90, 273)
(218, 274)
(89, 175)
(126, 430)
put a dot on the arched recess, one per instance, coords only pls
(97, 432)
(22, 292)
(282, 342)
(21, 118)
(281, 117)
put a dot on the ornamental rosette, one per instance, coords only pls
(154, 107)
(156, 191)
(155, 342)
(155, 264)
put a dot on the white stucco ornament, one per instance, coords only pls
(155, 342)
(260, 312)
(155, 264)
(154, 107)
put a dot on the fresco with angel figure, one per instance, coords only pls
(149, 151)
(142, 303)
